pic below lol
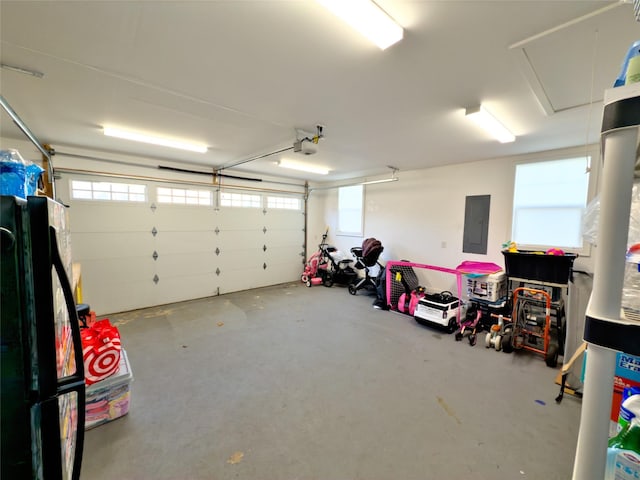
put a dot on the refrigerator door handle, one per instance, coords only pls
(71, 308)
(74, 382)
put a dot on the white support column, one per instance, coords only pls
(604, 306)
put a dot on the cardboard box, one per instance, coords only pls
(109, 399)
(491, 287)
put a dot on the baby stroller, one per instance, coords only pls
(328, 266)
(367, 256)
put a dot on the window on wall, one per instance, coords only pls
(549, 201)
(182, 196)
(350, 210)
(246, 200)
(287, 203)
(121, 192)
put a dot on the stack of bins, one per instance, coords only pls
(109, 399)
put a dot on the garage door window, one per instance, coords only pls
(120, 192)
(183, 196)
(287, 203)
(240, 200)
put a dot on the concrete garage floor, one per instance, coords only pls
(290, 382)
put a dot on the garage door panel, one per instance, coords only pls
(285, 239)
(114, 243)
(122, 297)
(279, 273)
(115, 270)
(181, 288)
(240, 218)
(283, 255)
(240, 279)
(184, 218)
(111, 245)
(279, 219)
(185, 264)
(240, 240)
(110, 217)
(239, 257)
(190, 241)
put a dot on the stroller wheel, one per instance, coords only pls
(472, 339)
(352, 289)
(308, 282)
(327, 281)
(459, 336)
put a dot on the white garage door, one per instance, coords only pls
(143, 243)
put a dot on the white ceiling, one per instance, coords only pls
(242, 76)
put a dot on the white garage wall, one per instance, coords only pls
(421, 217)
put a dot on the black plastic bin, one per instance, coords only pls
(539, 267)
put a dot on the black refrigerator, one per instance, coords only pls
(43, 389)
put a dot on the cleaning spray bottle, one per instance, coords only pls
(630, 406)
(623, 454)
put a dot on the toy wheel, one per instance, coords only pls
(453, 325)
(327, 281)
(473, 338)
(507, 344)
(352, 289)
(308, 282)
(458, 336)
(305, 279)
(487, 340)
(551, 357)
(498, 343)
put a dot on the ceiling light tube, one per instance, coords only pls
(162, 141)
(490, 124)
(303, 167)
(384, 180)
(368, 19)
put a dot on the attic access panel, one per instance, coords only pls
(560, 64)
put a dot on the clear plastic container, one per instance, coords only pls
(631, 286)
(18, 177)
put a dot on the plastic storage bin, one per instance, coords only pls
(539, 267)
(487, 287)
(109, 399)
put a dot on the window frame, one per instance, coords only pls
(111, 192)
(241, 194)
(594, 164)
(358, 212)
(160, 196)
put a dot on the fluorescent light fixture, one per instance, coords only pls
(368, 19)
(162, 141)
(482, 117)
(24, 71)
(303, 167)
(384, 180)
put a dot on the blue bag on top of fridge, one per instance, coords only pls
(18, 177)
